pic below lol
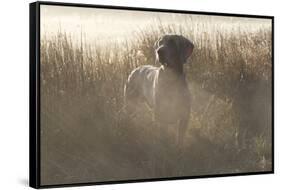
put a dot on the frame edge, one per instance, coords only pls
(34, 150)
(181, 11)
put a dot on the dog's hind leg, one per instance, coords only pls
(131, 99)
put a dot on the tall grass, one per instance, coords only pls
(85, 135)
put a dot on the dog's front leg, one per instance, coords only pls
(184, 117)
(181, 132)
(159, 149)
(180, 151)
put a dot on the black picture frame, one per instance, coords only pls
(34, 93)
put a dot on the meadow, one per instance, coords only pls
(87, 137)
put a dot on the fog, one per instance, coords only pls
(111, 25)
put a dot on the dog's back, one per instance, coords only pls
(141, 84)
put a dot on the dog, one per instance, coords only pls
(164, 89)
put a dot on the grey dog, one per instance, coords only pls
(163, 88)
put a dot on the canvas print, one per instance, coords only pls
(143, 94)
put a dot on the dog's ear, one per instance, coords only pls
(160, 51)
(161, 54)
(189, 48)
(158, 43)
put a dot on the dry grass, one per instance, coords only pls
(86, 137)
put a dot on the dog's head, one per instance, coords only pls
(173, 51)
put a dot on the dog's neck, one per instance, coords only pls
(173, 74)
(176, 70)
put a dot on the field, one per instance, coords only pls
(86, 135)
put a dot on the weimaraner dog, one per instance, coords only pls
(164, 88)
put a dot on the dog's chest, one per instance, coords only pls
(172, 97)
(171, 94)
